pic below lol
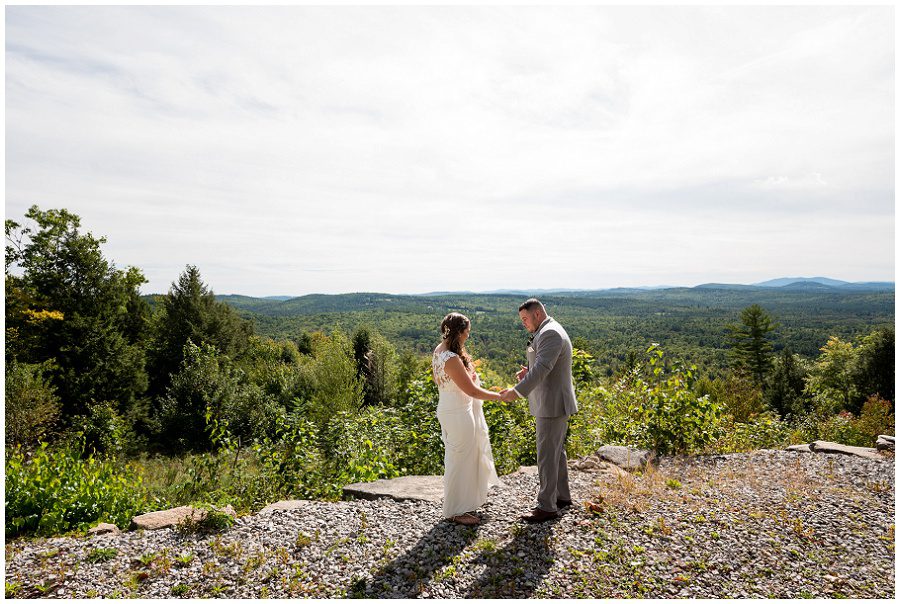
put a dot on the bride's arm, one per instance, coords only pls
(457, 372)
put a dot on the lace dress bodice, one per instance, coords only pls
(451, 396)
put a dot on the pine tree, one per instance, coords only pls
(751, 351)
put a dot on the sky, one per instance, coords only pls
(297, 149)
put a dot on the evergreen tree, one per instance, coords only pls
(71, 305)
(190, 312)
(874, 371)
(784, 392)
(751, 351)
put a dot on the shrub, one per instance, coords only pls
(103, 430)
(842, 428)
(876, 417)
(764, 431)
(656, 408)
(54, 491)
(32, 406)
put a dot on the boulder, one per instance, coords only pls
(153, 521)
(417, 488)
(823, 446)
(103, 528)
(800, 448)
(624, 457)
(885, 443)
(290, 504)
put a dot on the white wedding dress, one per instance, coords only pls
(468, 461)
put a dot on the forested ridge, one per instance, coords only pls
(688, 322)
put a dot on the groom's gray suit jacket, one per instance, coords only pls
(548, 383)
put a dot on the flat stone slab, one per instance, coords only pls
(823, 446)
(404, 488)
(624, 457)
(595, 465)
(800, 448)
(154, 521)
(884, 444)
(104, 528)
(288, 504)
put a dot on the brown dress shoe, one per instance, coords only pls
(539, 515)
(563, 503)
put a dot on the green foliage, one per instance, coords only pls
(582, 368)
(210, 520)
(337, 386)
(54, 491)
(786, 388)
(32, 407)
(103, 430)
(190, 312)
(210, 380)
(736, 394)
(292, 461)
(751, 351)
(72, 305)
(876, 417)
(763, 431)
(830, 380)
(874, 369)
(656, 408)
(101, 554)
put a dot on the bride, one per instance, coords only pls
(468, 462)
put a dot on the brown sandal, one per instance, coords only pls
(466, 519)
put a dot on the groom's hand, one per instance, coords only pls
(508, 395)
(521, 375)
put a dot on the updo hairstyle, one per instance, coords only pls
(451, 329)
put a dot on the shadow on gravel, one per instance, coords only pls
(410, 573)
(516, 570)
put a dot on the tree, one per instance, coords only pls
(751, 351)
(190, 312)
(874, 371)
(831, 378)
(337, 386)
(784, 392)
(376, 366)
(71, 305)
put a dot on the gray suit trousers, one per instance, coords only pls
(551, 461)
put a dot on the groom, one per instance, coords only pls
(547, 382)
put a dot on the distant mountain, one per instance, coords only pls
(794, 280)
(341, 301)
(724, 286)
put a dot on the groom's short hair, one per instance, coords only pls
(530, 304)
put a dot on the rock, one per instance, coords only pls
(290, 504)
(416, 488)
(153, 521)
(885, 443)
(822, 446)
(800, 448)
(103, 528)
(624, 457)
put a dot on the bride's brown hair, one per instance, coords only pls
(451, 329)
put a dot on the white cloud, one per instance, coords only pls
(280, 149)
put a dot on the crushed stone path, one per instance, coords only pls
(772, 524)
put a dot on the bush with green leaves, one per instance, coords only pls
(54, 491)
(655, 407)
(103, 430)
(210, 380)
(32, 407)
(763, 431)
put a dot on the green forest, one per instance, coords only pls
(118, 403)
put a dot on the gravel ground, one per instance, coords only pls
(769, 524)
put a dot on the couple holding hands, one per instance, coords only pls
(547, 383)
